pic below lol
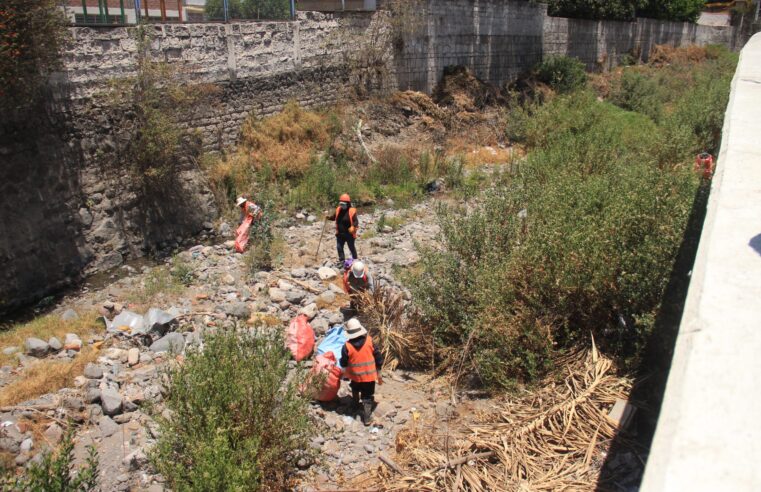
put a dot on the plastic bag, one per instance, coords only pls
(241, 234)
(326, 365)
(299, 337)
(334, 342)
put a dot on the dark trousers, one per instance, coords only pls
(365, 391)
(342, 239)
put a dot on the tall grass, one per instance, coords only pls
(297, 159)
(581, 241)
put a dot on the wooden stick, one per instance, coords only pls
(390, 463)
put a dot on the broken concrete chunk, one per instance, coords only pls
(621, 413)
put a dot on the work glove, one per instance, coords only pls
(380, 380)
(352, 230)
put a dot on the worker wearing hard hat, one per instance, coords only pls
(248, 208)
(358, 280)
(347, 224)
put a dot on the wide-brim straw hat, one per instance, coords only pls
(240, 201)
(354, 329)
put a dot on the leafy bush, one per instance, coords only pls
(626, 10)
(583, 237)
(673, 10)
(595, 9)
(56, 472)
(636, 92)
(562, 73)
(237, 419)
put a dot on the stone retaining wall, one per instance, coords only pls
(67, 207)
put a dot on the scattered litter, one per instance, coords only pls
(333, 342)
(132, 324)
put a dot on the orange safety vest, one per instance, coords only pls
(346, 280)
(361, 368)
(352, 214)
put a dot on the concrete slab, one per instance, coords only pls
(709, 433)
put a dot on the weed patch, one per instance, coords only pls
(46, 376)
(238, 422)
(45, 327)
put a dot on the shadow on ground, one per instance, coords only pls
(628, 453)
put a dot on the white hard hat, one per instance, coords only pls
(357, 269)
(354, 329)
(240, 201)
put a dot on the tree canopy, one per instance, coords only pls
(626, 10)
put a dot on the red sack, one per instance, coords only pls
(241, 234)
(326, 364)
(299, 337)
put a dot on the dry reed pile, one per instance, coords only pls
(403, 340)
(554, 439)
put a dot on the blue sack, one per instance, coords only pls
(334, 341)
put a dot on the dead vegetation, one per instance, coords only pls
(403, 340)
(44, 328)
(46, 377)
(554, 439)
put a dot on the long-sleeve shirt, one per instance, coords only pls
(358, 343)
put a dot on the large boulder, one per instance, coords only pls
(111, 402)
(93, 371)
(36, 347)
(172, 342)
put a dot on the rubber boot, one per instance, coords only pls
(367, 411)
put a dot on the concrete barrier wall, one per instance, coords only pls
(708, 436)
(500, 39)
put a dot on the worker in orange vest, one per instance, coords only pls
(346, 227)
(357, 280)
(362, 363)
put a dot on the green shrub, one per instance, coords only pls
(562, 73)
(587, 232)
(56, 472)
(237, 419)
(637, 92)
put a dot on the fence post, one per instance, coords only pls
(137, 11)
(121, 9)
(293, 9)
(84, 9)
(224, 7)
(179, 12)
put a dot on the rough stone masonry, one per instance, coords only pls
(67, 208)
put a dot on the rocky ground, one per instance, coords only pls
(109, 400)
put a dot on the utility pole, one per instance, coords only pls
(758, 8)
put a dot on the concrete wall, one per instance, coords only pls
(68, 204)
(708, 436)
(500, 39)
